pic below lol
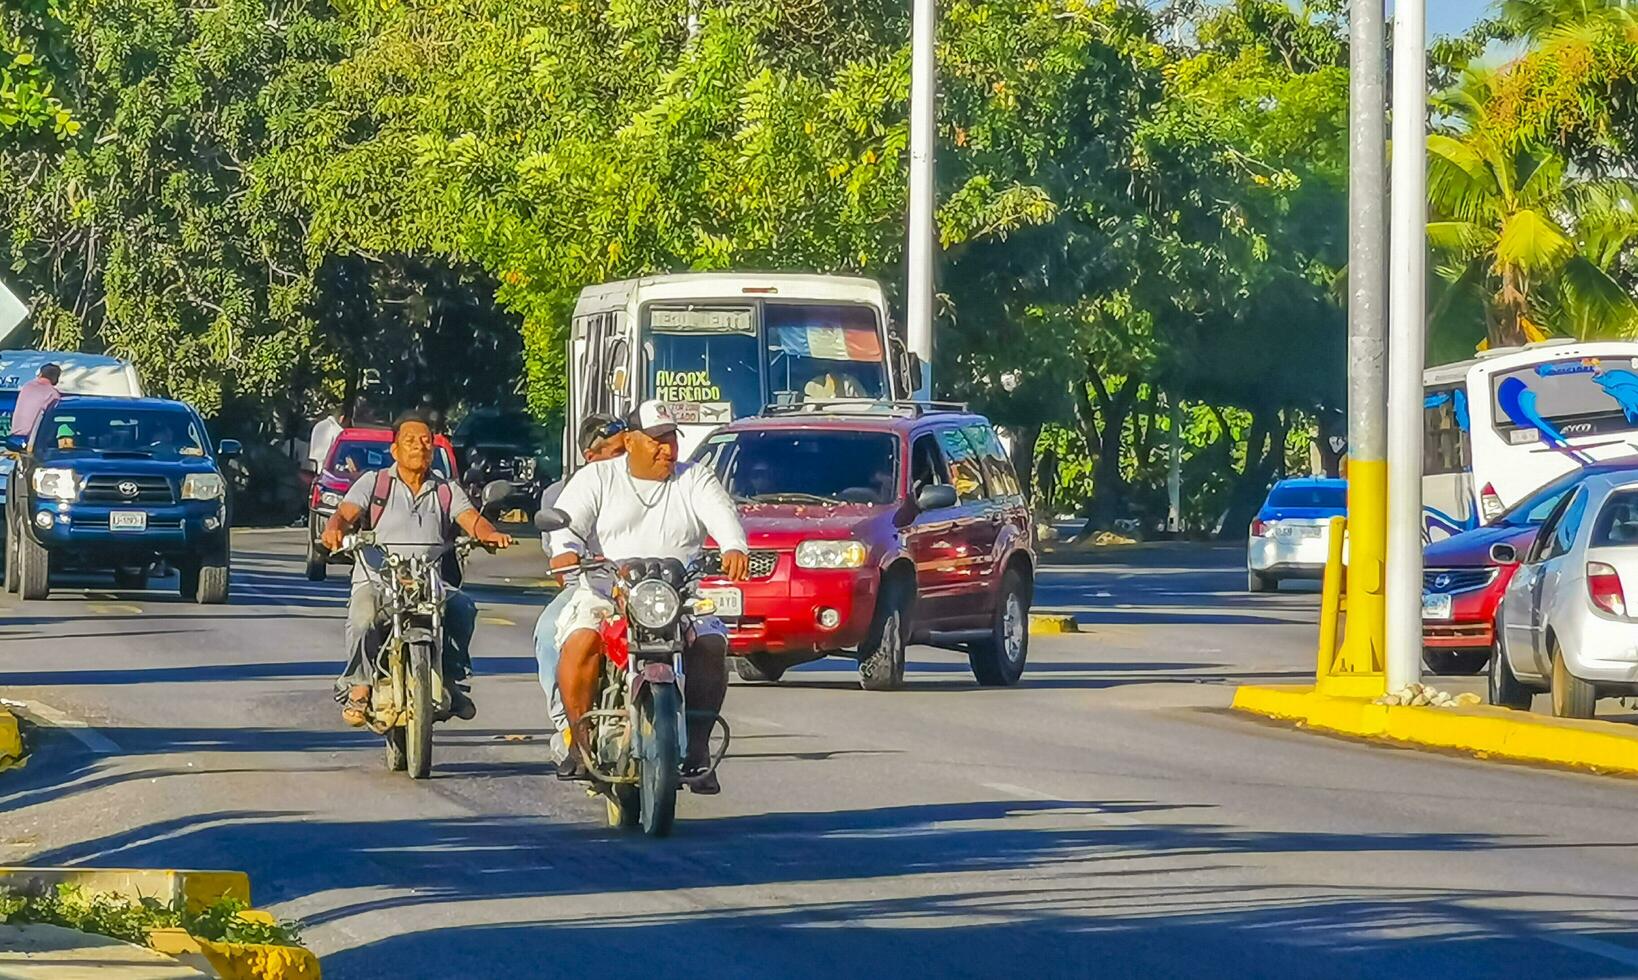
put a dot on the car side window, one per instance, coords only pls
(1560, 531)
(966, 468)
(926, 465)
(998, 473)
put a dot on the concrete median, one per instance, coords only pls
(1486, 732)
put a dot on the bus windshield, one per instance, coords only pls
(704, 363)
(821, 352)
(1556, 400)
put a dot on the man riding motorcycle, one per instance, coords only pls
(646, 505)
(413, 511)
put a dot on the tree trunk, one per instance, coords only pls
(1024, 438)
(1512, 301)
(1248, 490)
(1107, 439)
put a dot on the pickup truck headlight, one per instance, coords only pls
(203, 486)
(56, 484)
(329, 498)
(830, 554)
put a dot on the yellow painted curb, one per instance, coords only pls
(237, 961)
(1040, 625)
(11, 741)
(1489, 732)
(198, 889)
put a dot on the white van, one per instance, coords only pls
(83, 374)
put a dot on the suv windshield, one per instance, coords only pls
(805, 466)
(119, 429)
(351, 457)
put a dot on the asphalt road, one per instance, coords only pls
(1108, 817)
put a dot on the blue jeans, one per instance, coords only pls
(546, 655)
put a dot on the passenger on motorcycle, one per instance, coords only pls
(647, 505)
(413, 511)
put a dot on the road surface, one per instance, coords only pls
(1107, 818)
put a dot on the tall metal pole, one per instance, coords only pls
(1407, 345)
(921, 251)
(1367, 336)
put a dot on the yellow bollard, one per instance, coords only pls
(1331, 600)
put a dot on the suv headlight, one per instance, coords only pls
(652, 604)
(329, 498)
(830, 554)
(56, 484)
(202, 486)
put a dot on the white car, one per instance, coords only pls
(1563, 624)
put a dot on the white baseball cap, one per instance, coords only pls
(653, 418)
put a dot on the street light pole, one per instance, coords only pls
(921, 251)
(1407, 344)
(1367, 336)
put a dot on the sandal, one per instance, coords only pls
(702, 781)
(356, 712)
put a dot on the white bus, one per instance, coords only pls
(1508, 421)
(720, 346)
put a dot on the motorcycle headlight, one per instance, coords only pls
(329, 498)
(203, 486)
(830, 554)
(56, 484)
(652, 604)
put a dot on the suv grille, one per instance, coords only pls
(1456, 579)
(762, 562)
(104, 489)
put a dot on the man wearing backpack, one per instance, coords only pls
(413, 511)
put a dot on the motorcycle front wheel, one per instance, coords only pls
(659, 715)
(417, 734)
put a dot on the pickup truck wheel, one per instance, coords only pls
(12, 584)
(318, 566)
(759, 667)
(881, 655)
(211, 586)
(34, 568)
(998, 660)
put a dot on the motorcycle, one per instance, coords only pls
(634, 739)
(410, 695)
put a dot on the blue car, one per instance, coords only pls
(117, 484)
(1290, 537)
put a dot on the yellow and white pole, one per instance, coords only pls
(1367, 340)
(1407, 344)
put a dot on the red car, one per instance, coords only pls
(872, 526)
(356, 451)
(1461, 586)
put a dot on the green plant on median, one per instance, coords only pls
(132, 920)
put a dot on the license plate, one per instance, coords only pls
(1298, 531)
(127, 520)
(730, 602)
(1436, 606)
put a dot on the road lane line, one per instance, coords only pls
(39, 711)
(114, 608)
(1035, 795)
(496, 621)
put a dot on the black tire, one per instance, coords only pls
(1505, 689)
(1456, 663)
(1258, 582)
(622, 801)
(397, 760)
(422, 710)
(760, 667)
(13, 580)
(131, 579)
(882, 654)
(1572, 696)
(318, 565)
(998, 661)
(660, 772)
(34, 568)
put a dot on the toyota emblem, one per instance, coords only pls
(128, 488)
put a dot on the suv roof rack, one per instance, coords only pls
(864, 406)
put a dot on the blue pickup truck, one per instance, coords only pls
(116, 484)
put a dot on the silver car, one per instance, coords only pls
(1563, 625)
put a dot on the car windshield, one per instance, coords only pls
(115, 429)
(351, 457)
(1535, 508)
(1300, 495)
(808, 466)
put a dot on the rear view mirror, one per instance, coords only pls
(230, 449)
(497, 492)
(1504, 554)
(936, 497)
(551, 519)
(17, 443)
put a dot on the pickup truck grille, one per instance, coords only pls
(106, 489)
(1452, 580)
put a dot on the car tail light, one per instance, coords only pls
(1258, 528)
(1490, 503)
(1604, 587)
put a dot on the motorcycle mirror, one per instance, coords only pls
(551, 519)
(496, 492)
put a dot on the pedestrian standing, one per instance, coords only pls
(325, 432)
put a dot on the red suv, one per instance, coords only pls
(356, 451)
(873, 526)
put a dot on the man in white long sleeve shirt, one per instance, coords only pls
(646, 505)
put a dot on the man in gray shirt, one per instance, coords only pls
(419, 511)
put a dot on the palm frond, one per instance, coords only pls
(1532, 241)
(1461, 184)
(1594, 306)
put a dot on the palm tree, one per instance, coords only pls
(1513, 224)
(1536, 20)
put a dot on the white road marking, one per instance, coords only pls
(42, 713)
(1025, 793)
